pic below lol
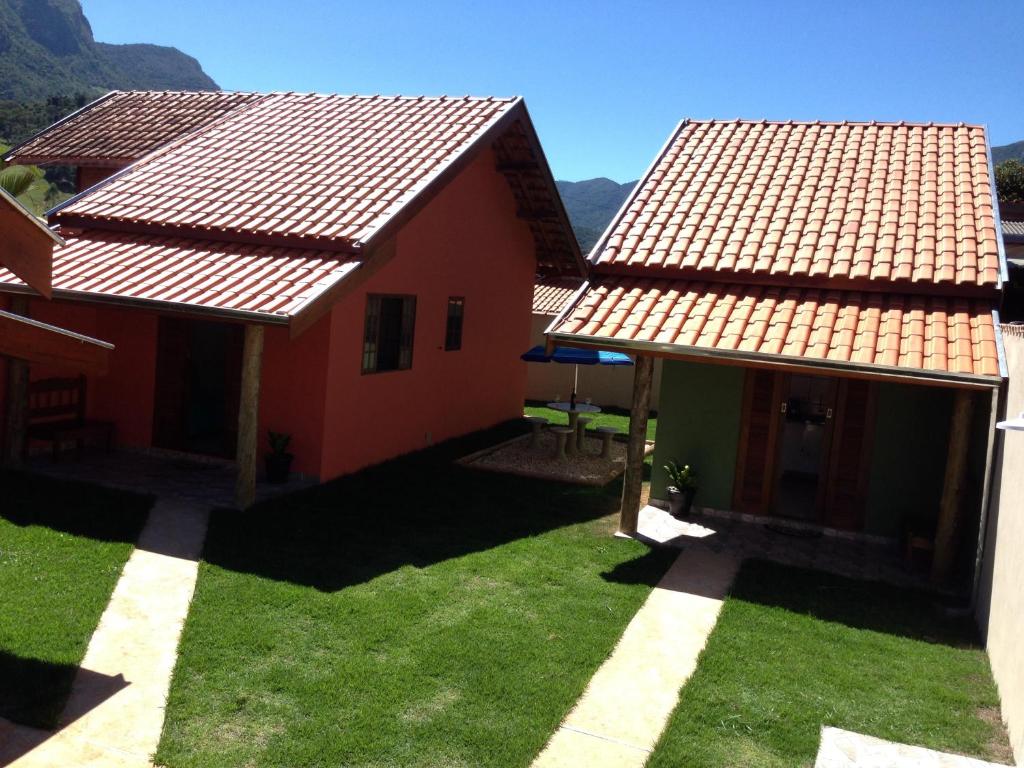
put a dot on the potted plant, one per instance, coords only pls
(682, 485)
(279, 461)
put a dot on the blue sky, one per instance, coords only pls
(606, 82)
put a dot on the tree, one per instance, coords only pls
(28, 185)
(1010, 181)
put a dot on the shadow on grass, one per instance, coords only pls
(416, 510)
(80, 509)
(869, 605)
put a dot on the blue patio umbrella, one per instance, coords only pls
(576, 357)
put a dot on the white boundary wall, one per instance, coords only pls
(1001, 593)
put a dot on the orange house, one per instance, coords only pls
(354, 271)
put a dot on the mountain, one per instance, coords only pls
(591, 204)
(1013, 151)
(47, 49)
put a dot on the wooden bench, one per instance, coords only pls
(56, 415)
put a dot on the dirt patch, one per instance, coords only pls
(998, 745)
(586, 467)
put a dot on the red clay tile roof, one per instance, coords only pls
(833, 245)
(938, 334)
(884, 204)
(235, 279)
(551, 293)
(261, 207)
(326, 168)
(122, 126)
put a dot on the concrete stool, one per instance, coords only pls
(581, 431)
(607, 433)
(536, 425)
(562, 441)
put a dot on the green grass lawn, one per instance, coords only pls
(416, 614)
(612, 418)
(62, 548)
(794, 650)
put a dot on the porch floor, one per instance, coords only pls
(863, 558)
(208, 482)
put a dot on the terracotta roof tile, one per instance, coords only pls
(552, 293)
(267, 280)
(830, 202)
(323, 167)
(936, 334)
(123, 126)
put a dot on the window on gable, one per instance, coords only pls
(388, 333)
(453, 328)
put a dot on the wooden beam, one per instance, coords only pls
(17, 398)
(27, 247)
(951, 506)
(36, 342)
(248, 416)
(632, 483)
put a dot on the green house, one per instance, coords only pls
(824, 297)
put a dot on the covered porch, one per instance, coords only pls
(207, 481)
(894, 463)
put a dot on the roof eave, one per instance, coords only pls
(158, 305)
(1004, 270)
(443, 175)
(878, 372)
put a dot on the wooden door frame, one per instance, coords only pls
(864, 463)
(767, 483)
(829, 459)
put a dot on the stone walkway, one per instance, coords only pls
(621, 715)
(115, 712)
(846, 749)
(783, 541)
(201, 480)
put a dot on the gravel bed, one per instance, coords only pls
(518, 458)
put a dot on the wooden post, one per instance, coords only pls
(951, 506)
(248, 416)
(632, 482)
(17, 397)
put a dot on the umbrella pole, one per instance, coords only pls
(575, 378)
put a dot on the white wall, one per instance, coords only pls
(1001, 594)
(604, 384)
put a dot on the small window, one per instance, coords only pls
(453, 329)
(388, 334)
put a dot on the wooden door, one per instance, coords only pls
(755, 462)
(846, 492)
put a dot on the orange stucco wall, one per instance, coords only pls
(125, 394)
(292, 384)
(293, 390)
(466, 242)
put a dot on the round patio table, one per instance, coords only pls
(574, 413)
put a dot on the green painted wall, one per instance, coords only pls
(699, 424)
(909, 457)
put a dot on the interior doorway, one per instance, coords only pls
(805, 435)
(198, 379)
(805, 447)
